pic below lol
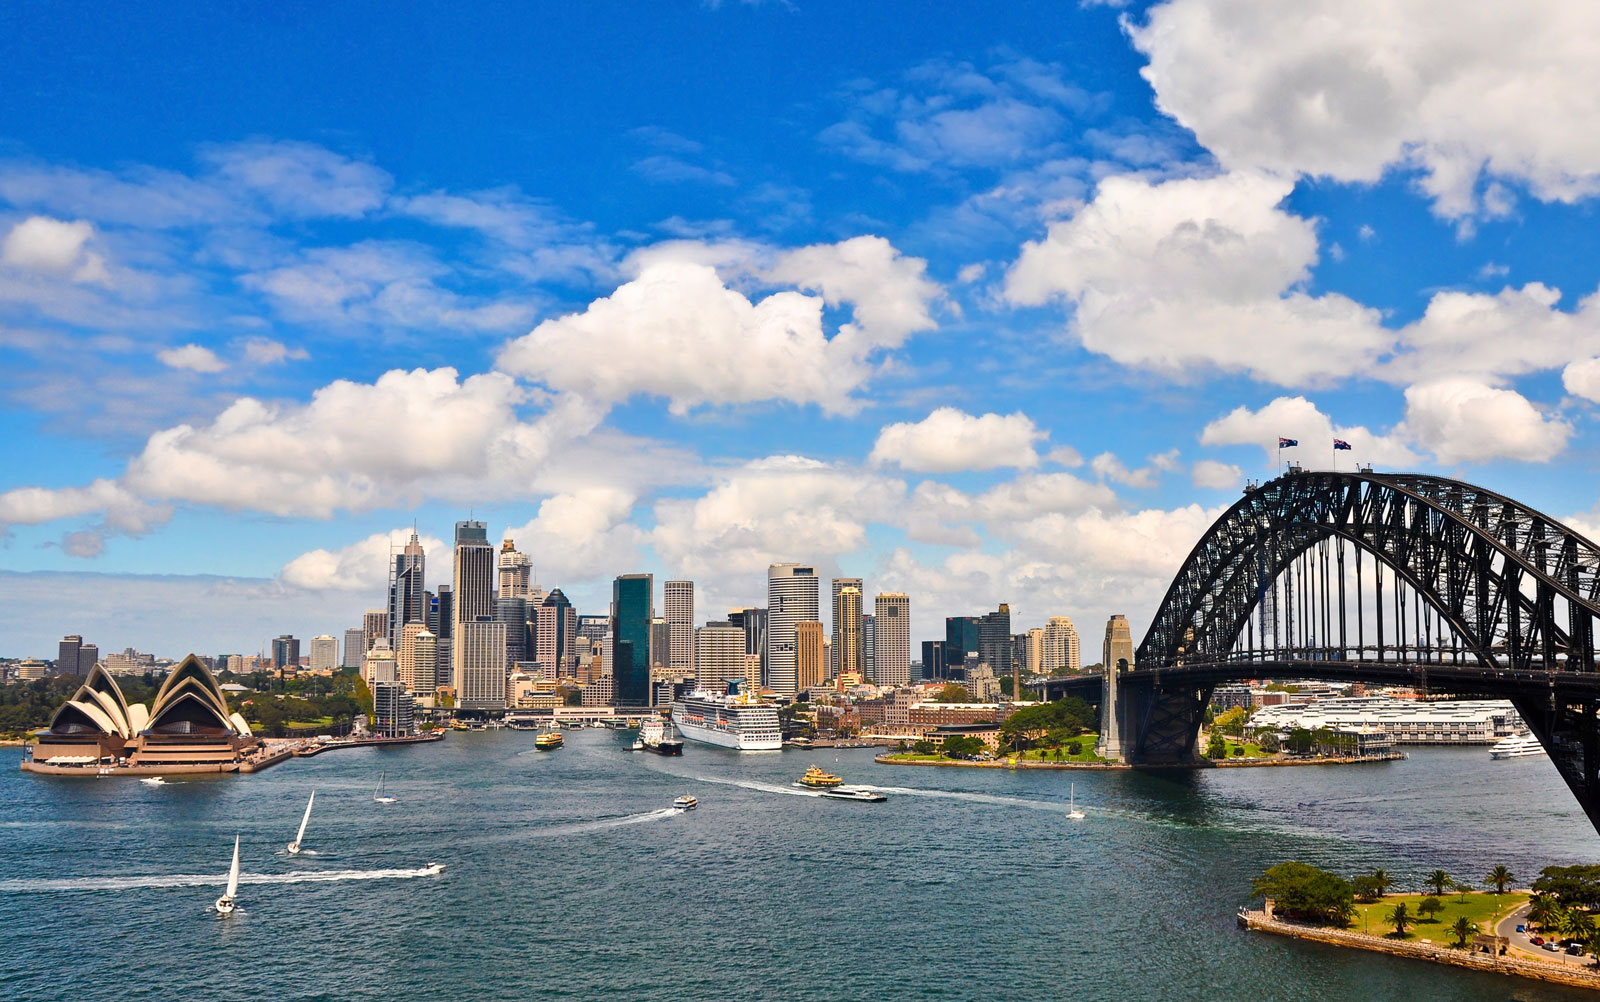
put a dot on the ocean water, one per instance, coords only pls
(568, 876)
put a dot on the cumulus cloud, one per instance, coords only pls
(1348, 89)
(583, 535)
(1197, 273)
(1490, 337)
(1461, 420)
(1299, 419)
(1216, 475)
(1108, 467)
(949, 439)
(122, 509)
(1582, 379)
(362, 565)
(265, 351)
(194, 357)
(46, 244)
(678, 330)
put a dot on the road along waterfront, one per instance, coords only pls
(568, 875)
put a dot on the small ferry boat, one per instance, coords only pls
(549, 740)
(458, 725)
(865, 796)
(816, 779)
(685, 803)
(1517, 746)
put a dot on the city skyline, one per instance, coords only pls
(1001, 306)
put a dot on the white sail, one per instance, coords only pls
(305, 820)
(233, 872)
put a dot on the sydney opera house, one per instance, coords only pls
(186, 728)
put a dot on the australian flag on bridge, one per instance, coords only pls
(1286, 443)
(1340, 443)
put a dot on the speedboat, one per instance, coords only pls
(294, 847)
(1517, 746)
(816, 779)
(685, 803)
(1073, 814)
(227, 903)
(153, 781)
(843, 793)
(433, 869)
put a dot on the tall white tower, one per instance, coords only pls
(891, 658)
(791, 600)
(678, 596)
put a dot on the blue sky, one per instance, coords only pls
(1002, 304)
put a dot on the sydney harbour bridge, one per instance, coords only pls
(1386, 578)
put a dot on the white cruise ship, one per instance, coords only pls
(736, 721)
(1517, 746)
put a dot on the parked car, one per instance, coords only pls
(1576, 949)
(1552, 947)
(1537, 941)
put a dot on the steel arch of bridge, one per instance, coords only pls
(1516, 595)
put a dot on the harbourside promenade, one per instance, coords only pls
(1257, 920)
(1004, 762)
(271, 752)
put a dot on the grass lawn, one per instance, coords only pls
(1251, 749)
(1085, 743)
(319, 722)
(1480, 907)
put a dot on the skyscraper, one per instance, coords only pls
(355, 645)
(1033, 651)
(632, 608)
(1061, 647)
(791, 599)
(557, 627)
(994, 639)
(406, 604)
(480, 662)
(719, 656)
(374, 624)
(869, 641)
(892, 639)
(512, 612)
(324, 653)
(847, 631)
(67, 655)
(88, 655)
(473, 588)
(677, 600)
(286, 652)
(416, 661)
(660, 643)
(960, 640)
(932, 659)
(754, 622)
(836, 648)
(516, 572)
(810, 654)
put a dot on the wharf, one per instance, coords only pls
(272, 751)
(318, 747)
(1542, 970)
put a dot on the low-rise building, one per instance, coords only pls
(1425, 722)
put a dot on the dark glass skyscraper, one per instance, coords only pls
(994, 639)
(631, 612)
(407, 600)
(960, 639)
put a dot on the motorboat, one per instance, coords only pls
(294, 847)
(153, 781)
(845, 793)
(816, 779)
(1517, 746)
(380, 797)
(638, 745)
(1073, 814)
(433, 869)
(227, 903)
(685, 803)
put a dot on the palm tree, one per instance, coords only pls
(1462, 929)
(1576, 924)
(1399, 917)
(1382, 881)
(1540, 910)
(1438, 880)
(1499, 877)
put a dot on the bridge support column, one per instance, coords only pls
(1566, 723)
(1111, 717)
(1161, 722)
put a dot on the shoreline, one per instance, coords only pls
(891, 759)
(281, 750)
(1540, 970)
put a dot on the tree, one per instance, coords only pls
(1541, 910)
(1575, 923)
(962, 746)
(1366, 888)
(924, 747)
(1429, 906)
(1499, 877)
(1464, 887)
(1462, 929)
(1438, 880)
(1382, 879)
(1301, 891)
(1301, 742)
(953, 693)
(1571, 885)
(1231, 721)
(1217, 747)
(1399, 917)
(1075, 748)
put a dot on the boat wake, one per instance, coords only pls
(660, 814)
(980, 798)
(750, 784)
(201, 880)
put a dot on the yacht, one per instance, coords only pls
(294, 847)
(685, 803)
(1073, 814)
(1517, 746)
(227, 903)
(379, 797)
(846, 793)
(659, 736)
(816, 779)
(738, 720)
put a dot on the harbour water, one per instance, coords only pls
(568, 876)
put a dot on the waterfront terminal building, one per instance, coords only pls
(1407, 721)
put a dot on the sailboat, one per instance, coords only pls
(225, 904)
(294, 847)
(1073, 814)
(379, 797)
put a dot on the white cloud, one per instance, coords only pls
(46, 244)
(1198, 273)
(677, 330)
(1108, 467)
(1349, 88)
(1299, 419)
(1216, 475)
(1064, 455)
(194, 357)
(584, 535)
(265, 351)
(360, 566)
(948, 440)
(1582, 379)
(300, 180)
(1461, 420)
(122, 509)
